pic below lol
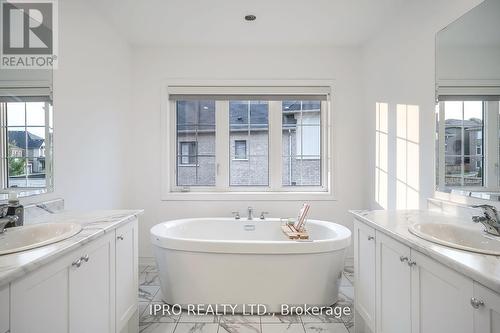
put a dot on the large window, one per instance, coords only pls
(27, 137)
(250, 143)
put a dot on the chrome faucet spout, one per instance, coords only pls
(489, 220)
(10, 219)
(6, 220)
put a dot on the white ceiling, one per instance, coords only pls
(478, 27)
(220, 22)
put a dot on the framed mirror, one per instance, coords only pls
(26, 132)
(468, 104)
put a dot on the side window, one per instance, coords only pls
(27, 153)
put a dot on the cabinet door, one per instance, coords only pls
(4, 309)
(393, 292)
(364, 272)
(90, 288)
(487, 313)
(126, 273)
(440, 298)
(39, 302)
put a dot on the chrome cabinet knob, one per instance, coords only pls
(77, 263)
(85, 258)
(119, 237)
(371, 238)
(403, 259)
(476, 303)
(411, 263)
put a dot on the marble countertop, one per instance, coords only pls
(484, 269)
(94, 224)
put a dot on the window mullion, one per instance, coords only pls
(4, 149)
(325, 144)
(490, 135)
(275, 145)
(442, 148)
(222, 145)
(48, 146)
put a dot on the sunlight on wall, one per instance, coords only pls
(407, 156)
(381, 153)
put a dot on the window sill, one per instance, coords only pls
(248, 196)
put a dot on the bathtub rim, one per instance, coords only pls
(341, 242)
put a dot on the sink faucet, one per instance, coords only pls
(250, 213)
(489, 219)
(6, 219)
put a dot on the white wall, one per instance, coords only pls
(152, 67)
(470, 62)
(399, 69)
(91, 100)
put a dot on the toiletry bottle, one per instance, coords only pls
(15, 208)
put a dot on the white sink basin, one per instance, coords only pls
(456, 236)
(31, 236)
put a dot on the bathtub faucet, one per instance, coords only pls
(250, 213)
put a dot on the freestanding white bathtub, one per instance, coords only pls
(227, 261)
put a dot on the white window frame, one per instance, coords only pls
(222, 190)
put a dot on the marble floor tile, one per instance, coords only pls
(282, 328)
(349, 275)
(193, 318)
(142, 307)
(148, 317)
(149, 278)
(350, 326)
(325, 328)
(320, 319)
(142, 267)
(197, 328)
(226, 327)
(156, 327)
(346, 293)
(344, 281)
(279, 319)
(147, 293)
(150, 268)
(240, 319)
(346, 296)
(158, 297)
